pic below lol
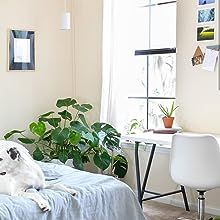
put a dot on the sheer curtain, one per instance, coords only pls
(118, 58)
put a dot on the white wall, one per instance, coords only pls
(197, 89)
(24, 95)
(88, 50)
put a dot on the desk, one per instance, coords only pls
(154, 139)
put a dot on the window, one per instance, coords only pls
(153, 80)
(139, 62)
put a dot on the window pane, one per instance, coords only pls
(155, 115)
(163, 26)
(141, 28)
(142, 2)
(136, 116)
(137, 79)
(162, 75)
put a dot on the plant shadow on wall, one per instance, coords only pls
(63, 135)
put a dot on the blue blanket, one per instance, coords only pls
(99, 197)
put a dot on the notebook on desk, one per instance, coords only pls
(167, 130)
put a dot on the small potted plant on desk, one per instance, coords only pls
(168, 119)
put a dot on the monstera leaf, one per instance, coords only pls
(65, 115)
(9, 134)
(59, 135)
(65, 102)
(120, 166)
(38, 128)
(82, 108)
(37, 154)
(77, 160)
(102, 160)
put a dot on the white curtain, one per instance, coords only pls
(118, 55)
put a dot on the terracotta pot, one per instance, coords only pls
(168, 122)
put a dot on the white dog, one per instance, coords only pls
(19, 172)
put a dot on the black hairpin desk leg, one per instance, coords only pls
(138, 178)
(142, 189)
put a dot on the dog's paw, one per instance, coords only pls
(44, 206)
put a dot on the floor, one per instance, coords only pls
(159, 211)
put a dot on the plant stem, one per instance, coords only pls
(65, 118)
(76, 116)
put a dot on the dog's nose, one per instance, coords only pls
(1, 159)
(3, 173)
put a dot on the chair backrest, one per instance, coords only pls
(195, 161)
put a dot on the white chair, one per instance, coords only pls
(195, 163)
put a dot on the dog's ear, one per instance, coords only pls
(14, 153)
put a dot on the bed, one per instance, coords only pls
(99, 197)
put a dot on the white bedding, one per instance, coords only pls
(99, 197)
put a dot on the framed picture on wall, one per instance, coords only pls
(21, 50)
(205, 33)
(206, 2)
(206, 15)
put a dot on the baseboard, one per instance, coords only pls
(179, 203)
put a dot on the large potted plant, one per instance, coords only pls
(65, 134)
(168, 119)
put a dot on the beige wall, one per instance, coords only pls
(88, 37)
(197, 89)
(197, 92)
(23, 95)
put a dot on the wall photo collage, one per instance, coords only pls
(206, 19)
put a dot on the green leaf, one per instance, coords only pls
(54, 121)
(102, 160)
(46, 114)
(9, 134)
(107, 134)
(88, 136)
(95, 142)
(65, 102)
(77, 160)
(74, 138)
(26, 140)
(79, 108)
(65, 115)
(38, 155)
(120, 166)
(63, 156)
(83, 120)
(87, 106)
(78, 127)
(59, 135)
(83, 107)
(37, 128)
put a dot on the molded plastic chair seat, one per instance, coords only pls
(195, 163)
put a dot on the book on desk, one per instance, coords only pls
(167, 130)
